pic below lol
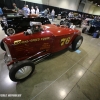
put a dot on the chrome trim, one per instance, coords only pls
(79, 43)
(7, 56)
(40, 58)
(23, 72)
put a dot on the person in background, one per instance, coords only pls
(48, 12)
(25, 11)
(1, 12)
(37, 10)
(72, 14)
(79, 15)
(69, 15)
(15, 8)
(32, 10)
(28, 10)
(53, 14)
(45, 13)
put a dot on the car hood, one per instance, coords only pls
(58, 30)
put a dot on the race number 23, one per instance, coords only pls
(65, 41)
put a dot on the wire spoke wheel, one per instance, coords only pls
(10, 31)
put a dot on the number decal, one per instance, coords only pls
(65, 41)
(17, 42)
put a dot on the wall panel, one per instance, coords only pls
(66, 4)
(96, 11)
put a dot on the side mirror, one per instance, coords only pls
(28, 32)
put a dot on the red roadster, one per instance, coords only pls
(23, 50)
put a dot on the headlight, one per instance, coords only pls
(8, 57)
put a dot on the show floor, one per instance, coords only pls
(66, 75)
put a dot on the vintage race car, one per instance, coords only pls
(13, 24)
(25, 49)
(64, 14)
(69, 21)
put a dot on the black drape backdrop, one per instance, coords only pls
(20, 4)
(2, 3)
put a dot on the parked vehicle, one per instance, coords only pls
(95, 25)
(69, 21)
(24, 49)
(17, 23)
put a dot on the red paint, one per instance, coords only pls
(50, 40)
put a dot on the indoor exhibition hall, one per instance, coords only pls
(49, 49)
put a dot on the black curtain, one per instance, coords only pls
(20, 4)
(2, 3)
(8, 4)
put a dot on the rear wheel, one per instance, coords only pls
(77, 42)
(21, 71)
(61, 22)
(84, 30)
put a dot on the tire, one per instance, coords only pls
(23, 66)
(80, 26)
(77, 42)
(2, 46)
(10, 31)
(84, 30)
(61, 22)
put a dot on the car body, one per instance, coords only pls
(87, 21)
(94, 26)
(13, 24)
(69, 21)
(36, 44)
(64, 14)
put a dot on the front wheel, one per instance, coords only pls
(77, 42)
(21, 71)
(2, 46)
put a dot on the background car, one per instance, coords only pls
(94, 26)
(25, 49)
(13, 24)
(69, 21)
